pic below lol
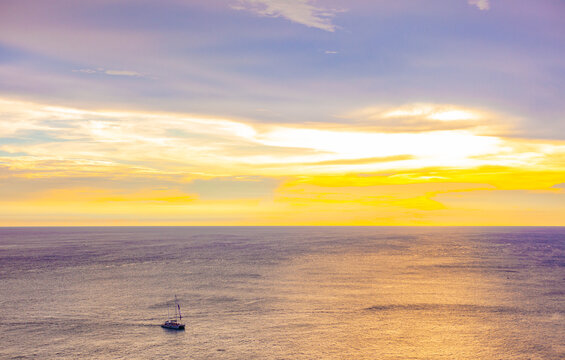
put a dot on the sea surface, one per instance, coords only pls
(283, 292)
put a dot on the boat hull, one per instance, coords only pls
(173, 327)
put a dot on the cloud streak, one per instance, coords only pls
(420, 117)
(299, 11)
(363, 161)
(481, 4)
(103, 71)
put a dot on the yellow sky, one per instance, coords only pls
(414, 164)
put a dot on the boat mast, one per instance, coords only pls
(177, 306)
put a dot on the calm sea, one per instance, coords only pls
(283, 293)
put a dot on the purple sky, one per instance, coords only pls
(299, 63)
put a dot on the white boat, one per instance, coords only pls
(174, 323)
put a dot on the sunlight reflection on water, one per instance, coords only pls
(284, 293)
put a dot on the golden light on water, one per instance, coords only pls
(429, 301)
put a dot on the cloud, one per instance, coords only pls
(431, 112)
(86, 71)
(432, 148)
(298, 11)
(420, 117)
(122, 73)
(361, 161)
(481, 4)
(110, 72)
(96, 141)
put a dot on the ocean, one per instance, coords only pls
(283, 292)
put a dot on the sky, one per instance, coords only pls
(282, 112)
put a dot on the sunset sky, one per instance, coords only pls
(282, 112)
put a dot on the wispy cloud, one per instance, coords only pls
(122, 73)
(157, 142)
(363, 161)
(299, 11)
(481, 4)
(86, 71)
(110, 72)
(420, 117)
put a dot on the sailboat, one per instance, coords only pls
(174, 323)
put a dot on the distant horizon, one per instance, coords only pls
(266, 226)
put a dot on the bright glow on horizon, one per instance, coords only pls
(161, 155)
(437, 148)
